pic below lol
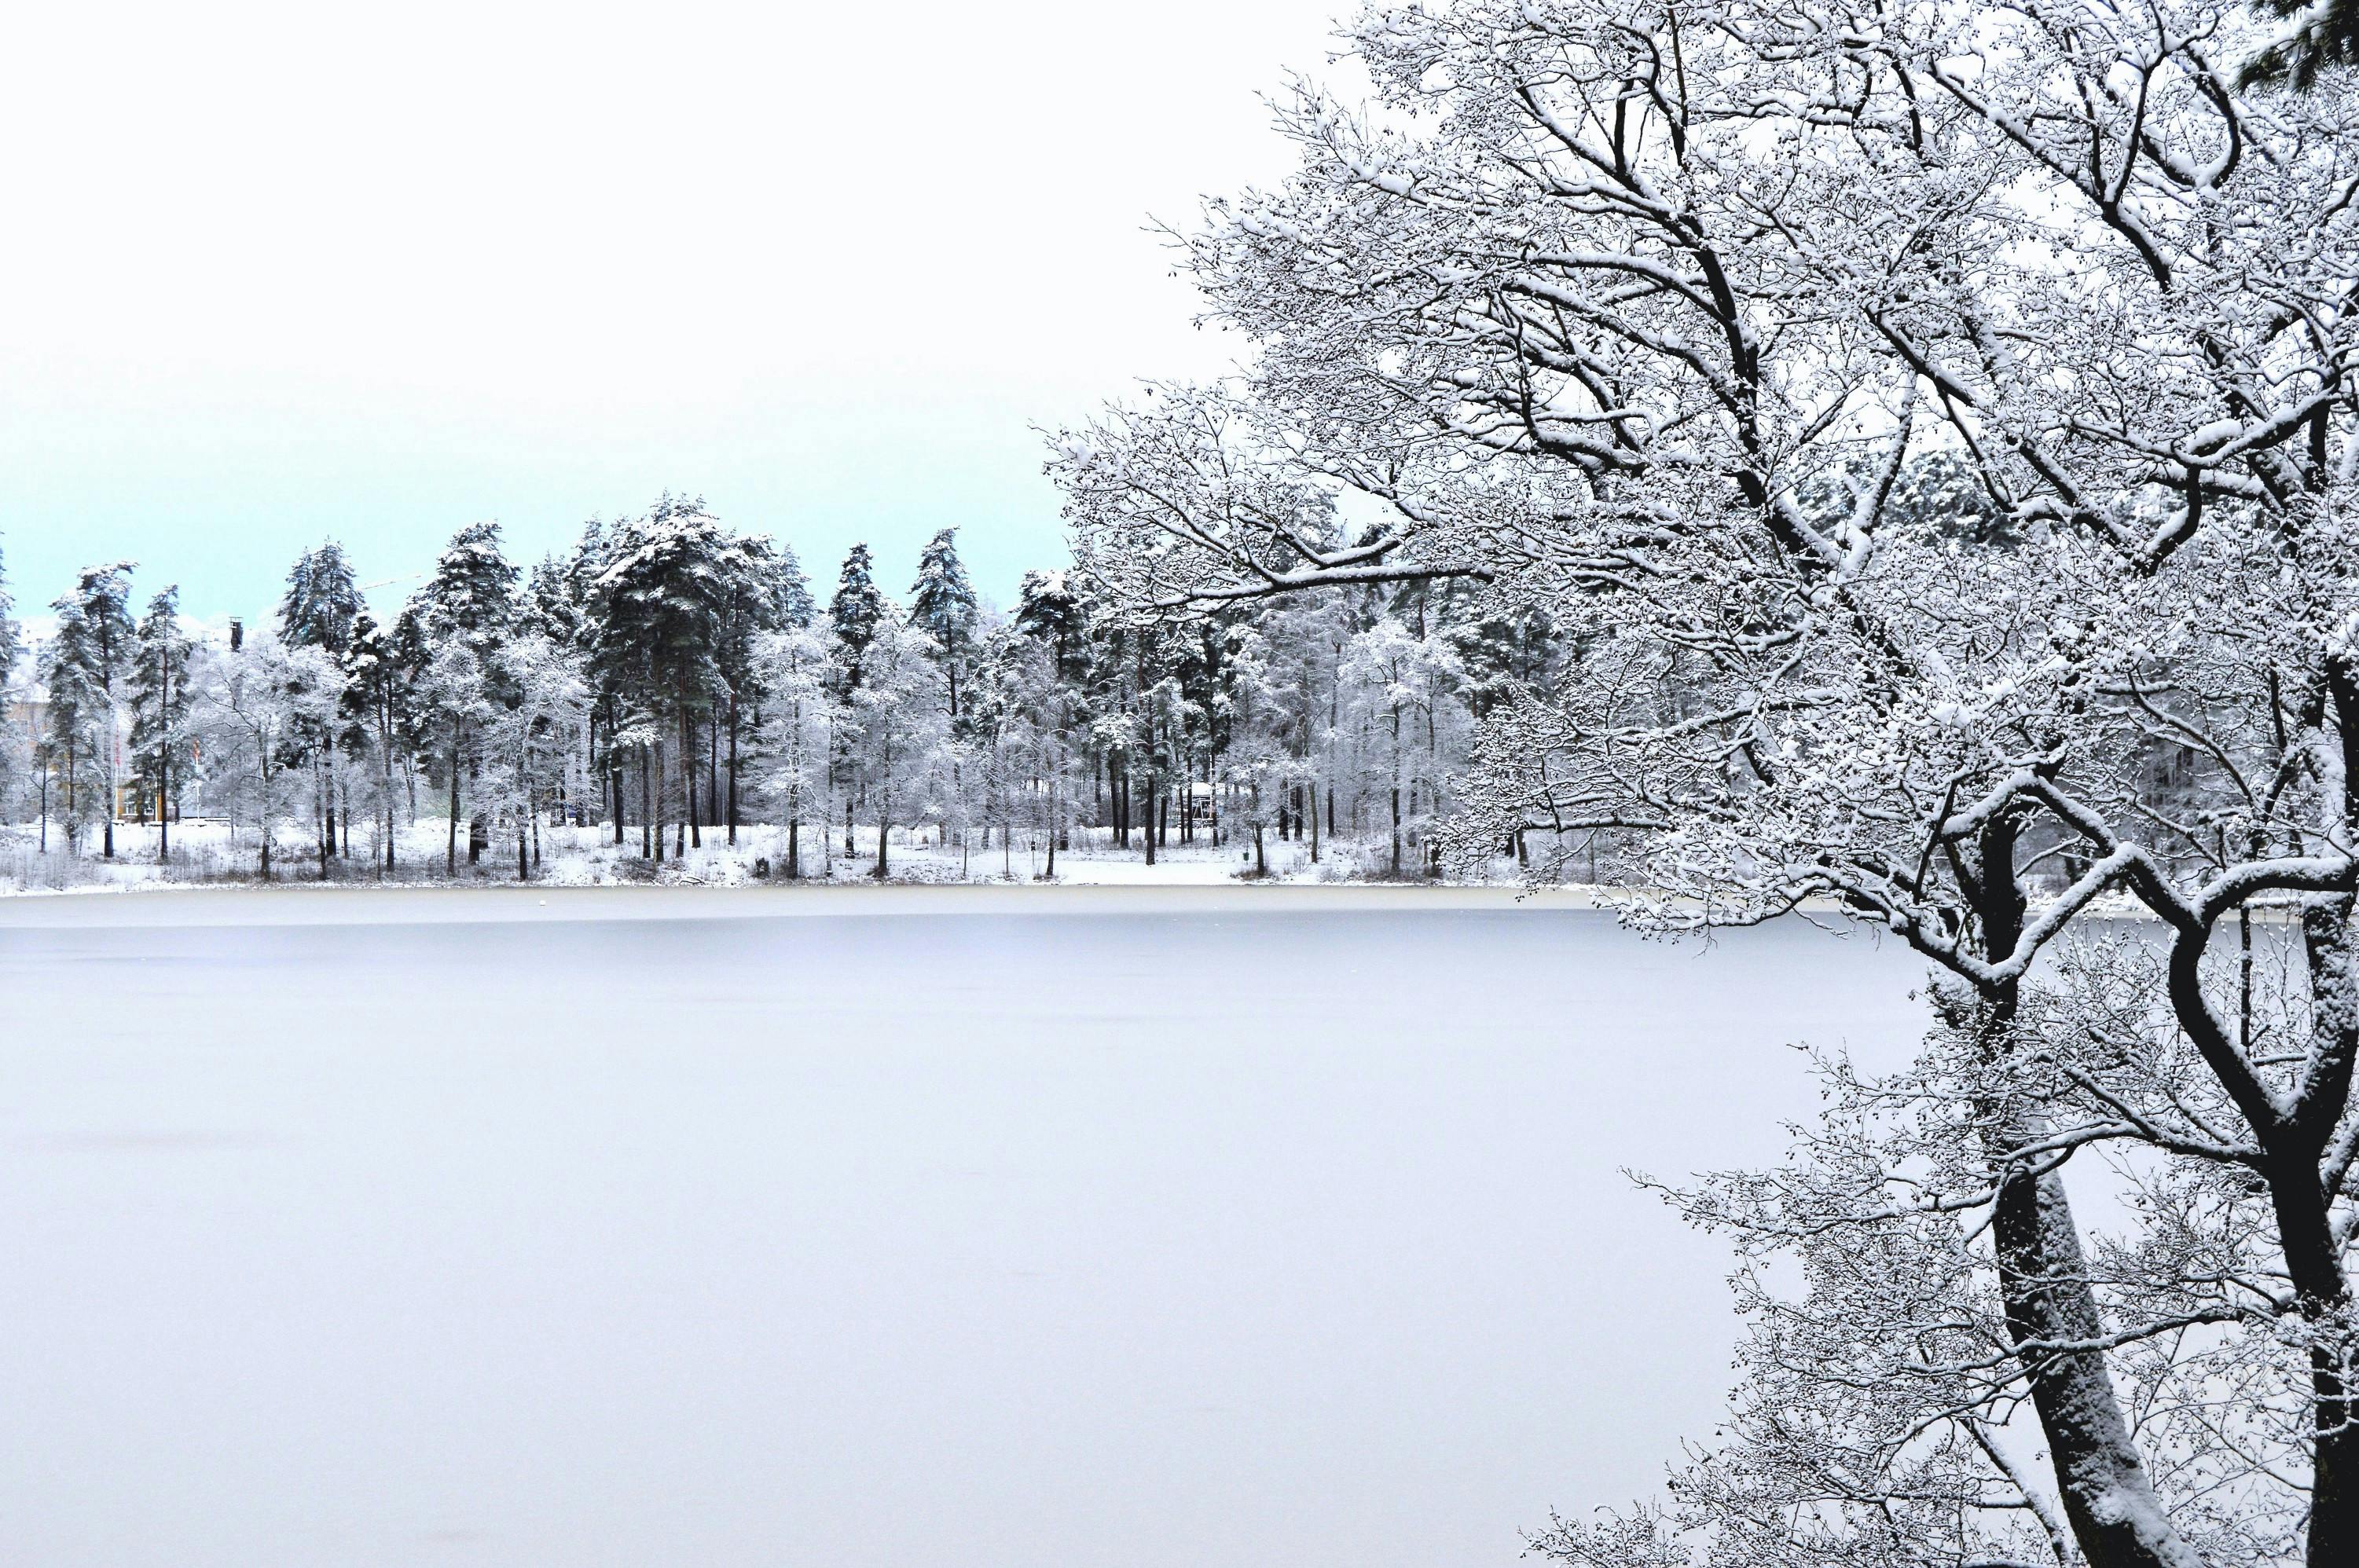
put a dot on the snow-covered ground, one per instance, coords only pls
(212, 852)
(1283, 1226)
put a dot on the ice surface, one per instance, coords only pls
(1264, 1233)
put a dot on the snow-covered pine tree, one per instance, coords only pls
(376, 718)
(87, 662)
(853, 614)
(322, 601)
(942, 605)
(158, 692)
(852, 617)
(762, 591)
(318, 611)
(663, 603)
(468, 601)
(471, 594)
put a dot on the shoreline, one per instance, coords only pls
(343, 905)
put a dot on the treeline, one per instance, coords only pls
(670, 678)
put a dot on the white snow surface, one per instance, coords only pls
(1027, 1228)
(213, 852)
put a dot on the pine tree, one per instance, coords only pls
(88, 661)
(853, 616)
(763, 591)
(2319, 35)
(662, 603)
(71, 736)
(321, 603)
(158, 692)
(468, 603)
(472, 595)
(942, 606)
(375, 708)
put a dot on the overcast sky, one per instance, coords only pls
(274, 274)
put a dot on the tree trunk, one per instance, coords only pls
(688, 778)
(163, 792)
(451, 850)
(2045, 1291)
(1396, 828)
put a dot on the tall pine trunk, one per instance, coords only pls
(733, 770)
(451, 850)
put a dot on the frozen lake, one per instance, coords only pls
(1266, 1231)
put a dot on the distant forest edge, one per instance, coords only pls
(669, 698)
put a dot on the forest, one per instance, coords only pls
(672, 679)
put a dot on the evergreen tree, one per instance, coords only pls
(472, 595)
(321, 603)
(71, 736)
(662, 602)
(2319, 35)
(88, 661)
(795, 607)
(942, 606)
(555, 605)
(763, 591)
(158, 692)
(852, 615)
(468, 603)
(375, 708)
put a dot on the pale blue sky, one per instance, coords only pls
(281, 273)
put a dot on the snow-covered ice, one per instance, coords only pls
(1024, 1229)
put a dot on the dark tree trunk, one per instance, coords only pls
(451, 850)
(687, 779)
(2045, 1291)
(733, 770)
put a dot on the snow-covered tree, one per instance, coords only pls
(1644, 319)
(379, 718)
(894, 727)
(83, 666)
(802, 716)
(320, 608)
(157, 694)
(454, 696)
(254, 708)
(546, 698)
(942, 605)
(1401, 685)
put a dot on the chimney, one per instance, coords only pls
(236, 634)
